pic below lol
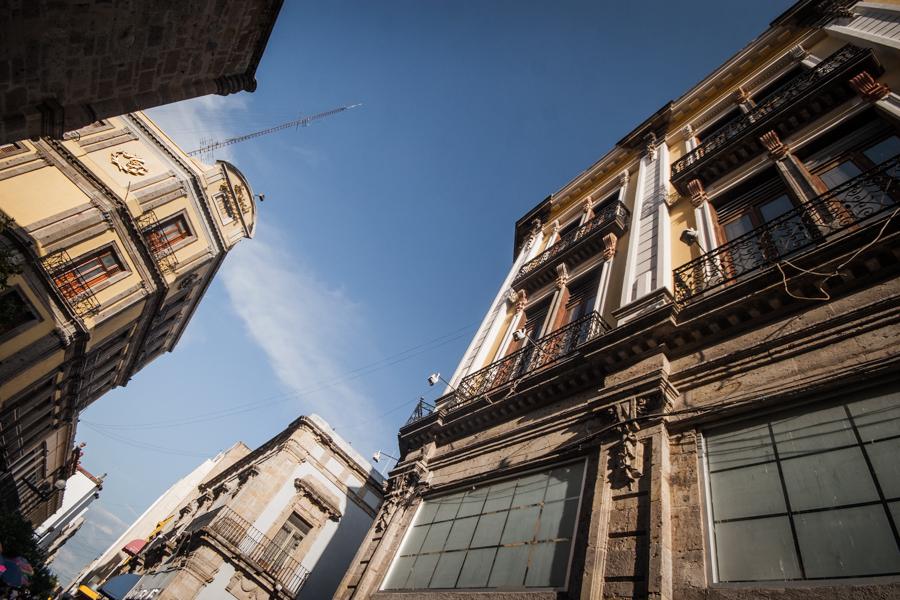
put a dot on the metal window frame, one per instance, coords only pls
(833, 399)
(584, 460)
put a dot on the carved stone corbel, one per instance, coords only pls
(798, 52)
(533, 233)
(771, 141)
(623, 178)
(400, 491)
(869, 89)
(246, 474)
(650, 145)
(623, 460)
(562, 276)
(555, 227)
(698, 194)
(741, 95)
(609, 246)
(588, 207)
(521, 301)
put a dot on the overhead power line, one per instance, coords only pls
(301, 122)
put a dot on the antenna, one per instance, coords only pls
(208, 148)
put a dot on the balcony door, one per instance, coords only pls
(284, 546)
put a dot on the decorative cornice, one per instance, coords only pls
(308, 490)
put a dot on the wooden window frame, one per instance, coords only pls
(106, 277)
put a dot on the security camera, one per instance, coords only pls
(690, 236)
(519, 334)
(434, 378)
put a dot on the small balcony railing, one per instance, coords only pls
(71, 283)
(855, 201)
(255, 547)
(157, 241)
(544, 351)
(422, 410)
(613, 213)
(796, 91)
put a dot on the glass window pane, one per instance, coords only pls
(499, 496)
(883, 150)
(422, 571)
(877, 418)
(530, 490)
(756, 550)
(828, 479)
(565, 482)
(413, 542)
(427, 512)
(448, 507)
(839, 174)
(447, 570)
(775, 208)
(558, 520)
(747, 492)
(489, 529)
(399, 573)
(472, 503)
(476, 568)
(509, 567)
(461, 533)
(810, 432)
(885, 457)
(738, 227)
(521, 525)
(847, 542)
(547, 565)
(436, 537)
(739, 448)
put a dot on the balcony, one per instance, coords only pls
(258, 550)
(157, 241)
(575, 246)
(786, 110)
(545, 351)
(71, 283)
(864, 198)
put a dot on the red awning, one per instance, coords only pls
(134, 547)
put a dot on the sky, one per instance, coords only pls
(386, 229)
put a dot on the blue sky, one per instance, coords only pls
(386, 229)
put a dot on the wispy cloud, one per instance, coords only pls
(200, 121)
(307, 329)
(100, 528)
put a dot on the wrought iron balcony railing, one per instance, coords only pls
(614, 212)
(855, 201)
(775, 103)
(158, 241)
(258, 549)
(71, 283)
(422, 410)
(544, 351)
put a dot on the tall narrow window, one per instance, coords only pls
(286, 542)
(225, 207)
(14, 311)
(811, 496)
(514, 534)
(168, 233)
(88, 271)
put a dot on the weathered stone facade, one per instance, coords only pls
(707, 376)
(66, 65)
(283, 521)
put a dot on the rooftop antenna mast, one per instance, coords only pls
(207, 149)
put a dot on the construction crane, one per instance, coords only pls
(302, 122)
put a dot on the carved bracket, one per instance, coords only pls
(400, 490)
(869, 89)
(623, 459)
(771, 141)
(698, 194)
(562, 276)
(609, 246)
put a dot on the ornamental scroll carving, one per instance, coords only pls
(624, 462)
(400, 491)
(128, 163)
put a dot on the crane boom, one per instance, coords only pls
(301, 122)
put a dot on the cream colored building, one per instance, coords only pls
(688, 385)
(283, 521)
(117, 234)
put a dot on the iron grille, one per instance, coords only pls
(159, 243)
(257, 548)
(71, 284)
(856, 200)
(544, 351)
(606, 215)
(422, 410)
(772, 104)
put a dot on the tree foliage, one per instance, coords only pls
(17, 537)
